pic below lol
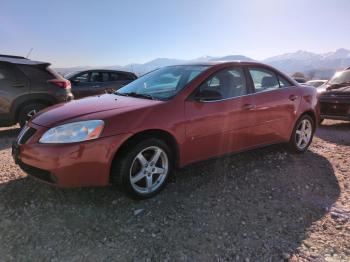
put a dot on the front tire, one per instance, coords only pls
(27, 112)
(302, 134)
(143, 171)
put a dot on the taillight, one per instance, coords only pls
(65, 84)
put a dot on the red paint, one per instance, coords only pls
(201, 130)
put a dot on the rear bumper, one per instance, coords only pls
(69, 165)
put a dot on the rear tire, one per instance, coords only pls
(28, 111)
(143, 170)
(302, 134)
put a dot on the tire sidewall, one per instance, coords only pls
(124, 165)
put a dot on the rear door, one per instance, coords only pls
(88, 83)
(13, 84)
(118, 80)
(277, 101)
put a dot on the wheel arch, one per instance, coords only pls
(166, 136)
(22, 101)
(312, 115)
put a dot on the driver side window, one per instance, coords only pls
(225, 84)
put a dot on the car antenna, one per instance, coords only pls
(30, 51)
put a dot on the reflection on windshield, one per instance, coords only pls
(162, 84)
(340, 78)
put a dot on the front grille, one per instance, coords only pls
(26, 134)
(38, 173)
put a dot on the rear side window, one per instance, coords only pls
(7, 73)
(37, 73)
(266, 80)
(114, 76)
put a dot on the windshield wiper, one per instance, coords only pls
(335, 86)
(134, 94)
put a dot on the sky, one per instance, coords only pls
(114, 32)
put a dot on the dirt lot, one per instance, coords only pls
(264, 205)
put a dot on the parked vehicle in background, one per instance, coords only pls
(168, 118)
(316, 83)
(26, 87)
(300, 80)
(96, 82)
(334, 97)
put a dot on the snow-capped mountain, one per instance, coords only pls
(318, 65)
(312, 64)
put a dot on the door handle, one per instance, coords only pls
(248, 107)
(293, 97)
(95, 86)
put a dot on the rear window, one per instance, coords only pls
(38, 72)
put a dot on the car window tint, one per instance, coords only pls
(6, 74)
(264, 80)
(124, 77)
(113, 76)
(36, 73)
(95, 77)
(83, 78)
(283, 82)
(105, 77)
(227, 83)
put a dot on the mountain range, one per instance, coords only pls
(312, 65)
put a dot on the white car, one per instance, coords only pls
(316, 83)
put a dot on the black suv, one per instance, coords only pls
(334, 97)
(27, 87)
(98, 81)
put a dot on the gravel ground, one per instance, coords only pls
(263, 205)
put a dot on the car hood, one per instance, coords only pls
(327, 90)
(78, 108)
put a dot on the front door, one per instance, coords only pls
(219, 116)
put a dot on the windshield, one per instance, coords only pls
(68, 75)
(162, 84)
(340, 78)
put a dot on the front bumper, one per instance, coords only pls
(335, 108)
(68, 165)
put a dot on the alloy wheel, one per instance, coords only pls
(149, 170)
(303, 134)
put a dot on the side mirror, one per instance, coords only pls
(75, 82)
(207, 95)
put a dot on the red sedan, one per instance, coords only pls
(168, 118)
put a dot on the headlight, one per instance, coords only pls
(73, 132)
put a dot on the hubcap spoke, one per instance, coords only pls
(156, 156)
(149, 182)
(303, 126)
(142, 159)
(138, 177)
(159, 170)
(299, 142)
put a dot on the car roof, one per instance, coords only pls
(233, 62)
(101, 70)
(20, 60)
